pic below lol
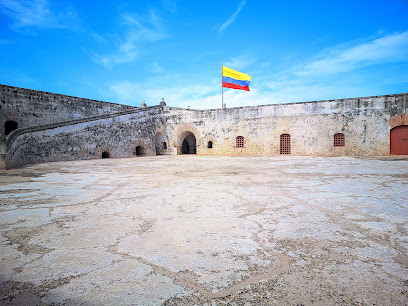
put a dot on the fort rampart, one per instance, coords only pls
(344, 127)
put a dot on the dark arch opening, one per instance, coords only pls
(188, 143)
(139, 151)
(185, 148)
(105, 154)
(209, 145)
(164, 146)
(10, 126)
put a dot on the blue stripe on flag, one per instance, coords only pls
(234, 81)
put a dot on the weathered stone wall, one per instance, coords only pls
(311, 125)
(365, 123)
(32, 107)
(118, 135)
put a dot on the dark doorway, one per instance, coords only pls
(139, 151)
(185, 148)
(186, 143)
(399, 140)
(105, 154)
(10, 126)
(209, 145)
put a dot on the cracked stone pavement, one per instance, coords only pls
(183, 230)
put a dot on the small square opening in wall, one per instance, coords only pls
(339, 140)
(240, 142)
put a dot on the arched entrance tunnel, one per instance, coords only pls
(186, 143)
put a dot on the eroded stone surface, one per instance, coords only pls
(192, 229)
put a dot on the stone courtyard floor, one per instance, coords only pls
(184, 230)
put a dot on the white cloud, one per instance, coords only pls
(240, 62)
(127, 48)
(292, 85)
(390, 48)
(27, 15)
(156, 68)
(230, 20)
(133, 93)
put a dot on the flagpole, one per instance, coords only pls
(222, 88)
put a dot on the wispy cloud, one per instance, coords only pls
(390, 48)
(367, 68)
(136, 33)
(315, 79)
(156, 68)
(27, 15)
(230, 20)
(182, 96)
(240, 62)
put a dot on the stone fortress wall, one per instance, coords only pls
(311, 126)
(113, 131)
(30, 108)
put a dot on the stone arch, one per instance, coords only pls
(183, 130)
(397, 120)
(139, 148)
(160, 143)
(140, 151)
(186, 143)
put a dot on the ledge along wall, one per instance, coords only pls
(32, 107)
(116, 134)
(311, 125)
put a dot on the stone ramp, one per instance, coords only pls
(2, 154)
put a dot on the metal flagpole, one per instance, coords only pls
(222, 88)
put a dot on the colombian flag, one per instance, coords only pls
(235, 79)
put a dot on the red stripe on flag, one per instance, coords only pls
(235, 86)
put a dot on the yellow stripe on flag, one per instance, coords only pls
(231, 73)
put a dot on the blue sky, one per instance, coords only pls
(129, 51)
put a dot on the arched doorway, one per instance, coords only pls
(10, 126)
(105, 154)
(160, 143)
(399, 140)
(187, 143)
(139, 151)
